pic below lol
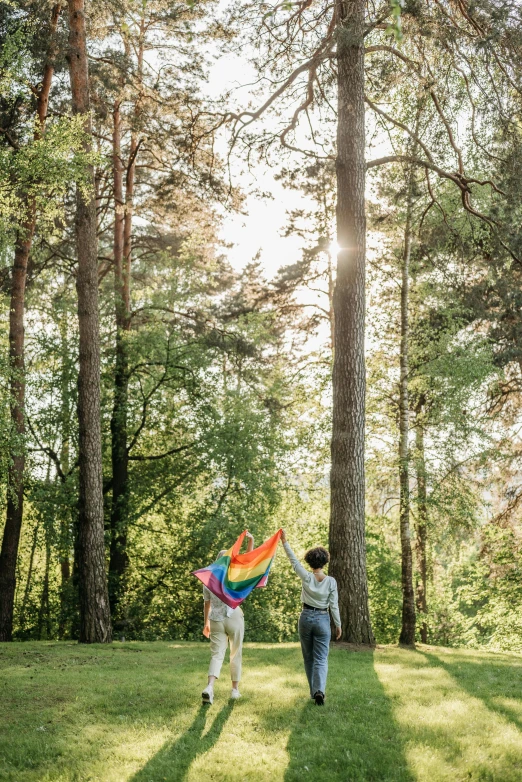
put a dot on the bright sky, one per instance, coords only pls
(261, 228)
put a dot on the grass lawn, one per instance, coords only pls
(132, 712)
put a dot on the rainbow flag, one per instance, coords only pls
(233, 576)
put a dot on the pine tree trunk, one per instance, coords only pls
(422, 524)
(347, 481)
(65, 531)
(120, 462)
(119, 558)
(15, 479)
(95, 624)
(27, 590)
(44, 614)
(407, 636)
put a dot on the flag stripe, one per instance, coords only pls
(233, 576)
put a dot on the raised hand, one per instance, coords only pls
(283, 536)
(250, 544)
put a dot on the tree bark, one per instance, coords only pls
(95, 624)
(407, 635)
(44, 613)
(15, 479)
(119, 559)
(347, 480)
(120, 461)
(23, 607)
(65, 522)
(422, 524)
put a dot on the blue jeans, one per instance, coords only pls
(315, 633)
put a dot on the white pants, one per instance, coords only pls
(231, 629)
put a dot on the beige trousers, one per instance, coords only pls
(231, 629)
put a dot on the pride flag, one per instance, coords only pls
(233, 576)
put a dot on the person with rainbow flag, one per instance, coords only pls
(226, 583)
(232, 577)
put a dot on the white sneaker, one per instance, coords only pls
(235, 694)
(208, 695)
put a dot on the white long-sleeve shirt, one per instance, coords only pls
(319, 594)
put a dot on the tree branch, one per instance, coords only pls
(179, 449)
(401, 125)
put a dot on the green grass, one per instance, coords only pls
(131, 712)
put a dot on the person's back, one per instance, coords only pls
(320, 600)
(224, 626)
(318, 590)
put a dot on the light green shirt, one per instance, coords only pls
(319, 594)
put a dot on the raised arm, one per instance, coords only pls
(250, 544)
(302, 572)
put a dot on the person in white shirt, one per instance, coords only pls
(320, 601)
(223, 625)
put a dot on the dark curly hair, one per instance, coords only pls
(317, 557)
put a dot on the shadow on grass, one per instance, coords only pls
(487, 680)
(173, 761)
(354, 737)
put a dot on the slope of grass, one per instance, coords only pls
(131, 712)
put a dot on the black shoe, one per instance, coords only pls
(319, 698)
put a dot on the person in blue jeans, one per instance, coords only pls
(320, 601)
